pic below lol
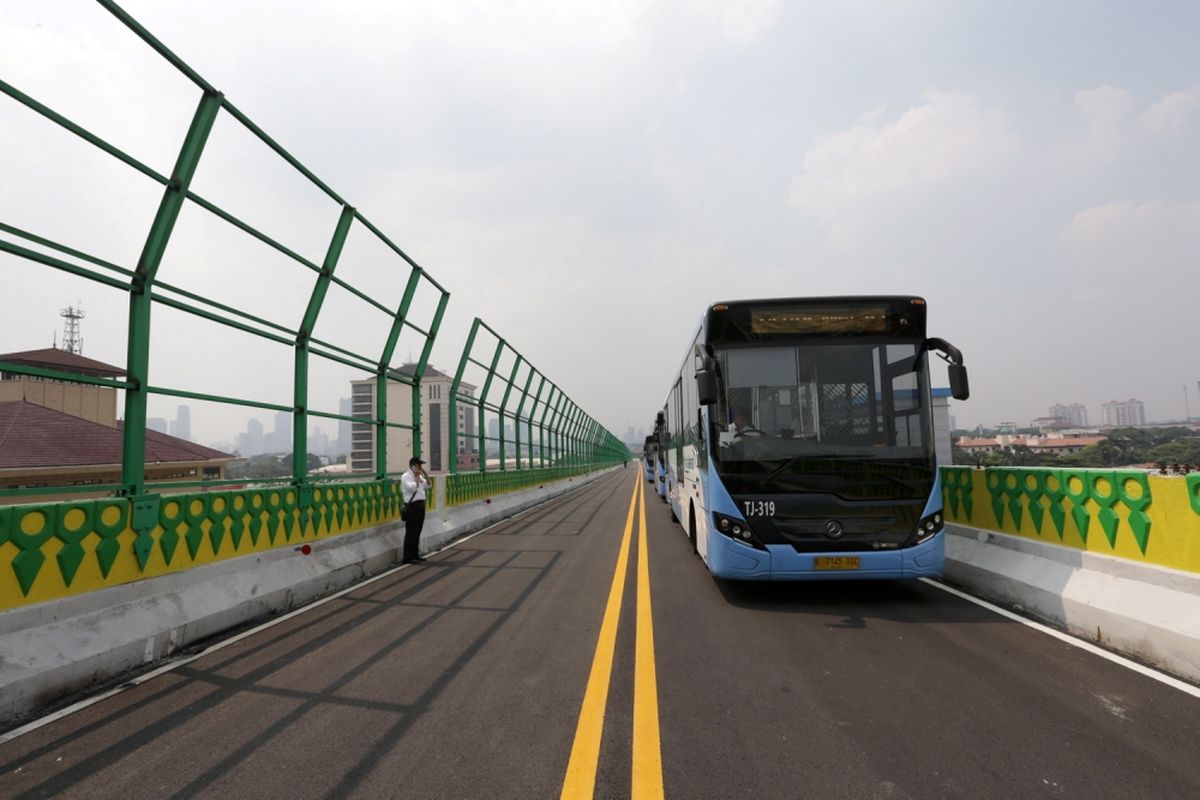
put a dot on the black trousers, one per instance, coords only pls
(414, 521)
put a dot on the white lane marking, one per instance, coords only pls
(29, 727)
(1112, 706)
(1149, 672)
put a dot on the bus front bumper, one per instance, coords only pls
(736, 561)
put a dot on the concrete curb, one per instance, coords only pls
(1148, 612)
(51, 650)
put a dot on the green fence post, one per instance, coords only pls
(419, 374)
(532, 410)
(556, 449)
(383, 371)
(517, 418)
(487, 385)
(589, 443)
(542, 444)
(137, 364)
(576, 437)
(311, 314)
(504, 405)
(454, 389)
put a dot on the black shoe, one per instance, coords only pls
(413, 560)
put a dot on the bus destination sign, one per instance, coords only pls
(820, 320)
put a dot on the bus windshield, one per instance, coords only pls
(861, 400)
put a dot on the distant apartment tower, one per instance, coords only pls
(279, 440)
(435, 417)
(1074, 415)
(1123, 413)
(342, 446)
(182, 426)
(250, 443)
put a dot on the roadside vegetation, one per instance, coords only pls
(1169, 449)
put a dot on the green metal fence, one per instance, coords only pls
(569, 436)
(146, 289)
(128, 530)
(551, 435)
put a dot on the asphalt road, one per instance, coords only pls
(466, 677)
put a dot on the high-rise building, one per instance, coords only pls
(182, 426)
(1074, 415)
(1123, 413)
(250, 443)
(435, 416)
(318, 442)
(279, 440)
(159, 424)
(342, 446)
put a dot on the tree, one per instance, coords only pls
(311, 461)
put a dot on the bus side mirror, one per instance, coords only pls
(960, 388)
(660, 418)
(706, 386)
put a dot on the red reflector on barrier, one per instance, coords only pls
(306, 549)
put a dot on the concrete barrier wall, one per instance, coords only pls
(1112, 556)
(51, 649)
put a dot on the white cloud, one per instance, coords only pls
(742, 21)
(1170, 115)
(1104, 106)
(950, 137)
(1129, 235)
(1105, 111)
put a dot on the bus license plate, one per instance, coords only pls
(835, 562)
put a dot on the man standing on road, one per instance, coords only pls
(414, 483)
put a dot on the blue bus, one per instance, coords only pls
(798, 439)
(650, 458)
(659, 468)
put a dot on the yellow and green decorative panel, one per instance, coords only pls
(1126, 513)
(53, 550)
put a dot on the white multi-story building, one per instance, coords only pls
(1074, 415)
(435, 418)
(1123, 413)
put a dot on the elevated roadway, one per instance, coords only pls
(485, 672)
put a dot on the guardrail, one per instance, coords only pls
(567, 437)
(147, 289)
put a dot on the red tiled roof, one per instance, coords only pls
(1058, 444)
(35, 436)
(53, 358)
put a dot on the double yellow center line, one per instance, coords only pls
(580, 780)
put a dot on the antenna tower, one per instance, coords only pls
(72, 341)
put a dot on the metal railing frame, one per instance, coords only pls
(145, 290)
(570, 437)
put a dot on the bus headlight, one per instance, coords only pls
(925, 529)
(737, 530)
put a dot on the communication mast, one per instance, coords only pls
(72, 341)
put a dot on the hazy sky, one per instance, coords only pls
(587, 177)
